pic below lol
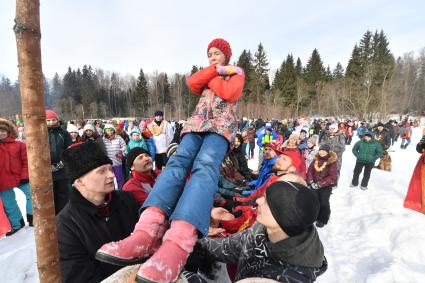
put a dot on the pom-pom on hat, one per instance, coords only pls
(224, 47)
(82, 158)
(294, 206)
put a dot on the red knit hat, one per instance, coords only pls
(224, 47)
(50, 114)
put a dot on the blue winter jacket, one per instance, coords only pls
(264, 175)
(146, 144)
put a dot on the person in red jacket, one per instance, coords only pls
(139, 161)
(322, 176)
(205, 140)
(290, 148)
(13, 173)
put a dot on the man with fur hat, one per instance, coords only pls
(139, 161)
(59, 141)
(13, 173)
(162, 136)
(96, 214)
(367, 151)
(283, 244)
(321, 177)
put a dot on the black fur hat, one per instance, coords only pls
(82, 158)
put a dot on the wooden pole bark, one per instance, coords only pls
(27, 32)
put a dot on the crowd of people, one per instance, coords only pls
(180, 196)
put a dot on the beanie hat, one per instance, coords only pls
(312, 140)
(109, 126)
(132, 155)
(294, 206)
(325, 147)
(159, 113)
(50, 114)
(171, 149)
(71, 128)
(89, 127)
(368, 133)
(224, 47)
(82, 158)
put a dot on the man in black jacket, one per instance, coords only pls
(96, 214)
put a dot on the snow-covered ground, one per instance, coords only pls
(370, 236)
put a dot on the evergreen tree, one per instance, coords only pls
(299, 68)
(328, 74)
(140, 97)
(245, 62)
(338, 72)
(288, 82)
(261, 78)
(314, 70)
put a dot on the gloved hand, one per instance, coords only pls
(23, 182)
(228, 70)
(314, 186)
(119, 155)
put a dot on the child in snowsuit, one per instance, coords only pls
(206, 138)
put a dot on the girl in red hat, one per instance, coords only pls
(205, 140)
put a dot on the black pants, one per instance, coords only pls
(251, 150)
(324, 195)
(160, 160)
(348, 140)
(366, 175)
(60, 194)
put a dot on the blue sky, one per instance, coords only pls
(171, 36)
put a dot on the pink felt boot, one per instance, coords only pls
(166, 264)
(144, 241)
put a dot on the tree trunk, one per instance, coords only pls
(27, 32)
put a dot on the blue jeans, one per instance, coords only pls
(200, 154)
(26, 189)
(11, 208)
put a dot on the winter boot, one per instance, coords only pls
(352, 186)
(363, 188)
(144, 241)
(29, 219)
(13, 231)
(166, 264)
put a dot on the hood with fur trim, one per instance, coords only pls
(8, 126)
(332, 157)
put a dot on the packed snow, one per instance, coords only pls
(370, 236)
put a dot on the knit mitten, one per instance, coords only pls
(228, 70)
(144, 241)
(167, 263)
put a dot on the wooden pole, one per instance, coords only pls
(27, 32)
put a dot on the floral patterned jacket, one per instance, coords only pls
(216, 109)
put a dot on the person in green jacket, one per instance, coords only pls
(367, 151)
